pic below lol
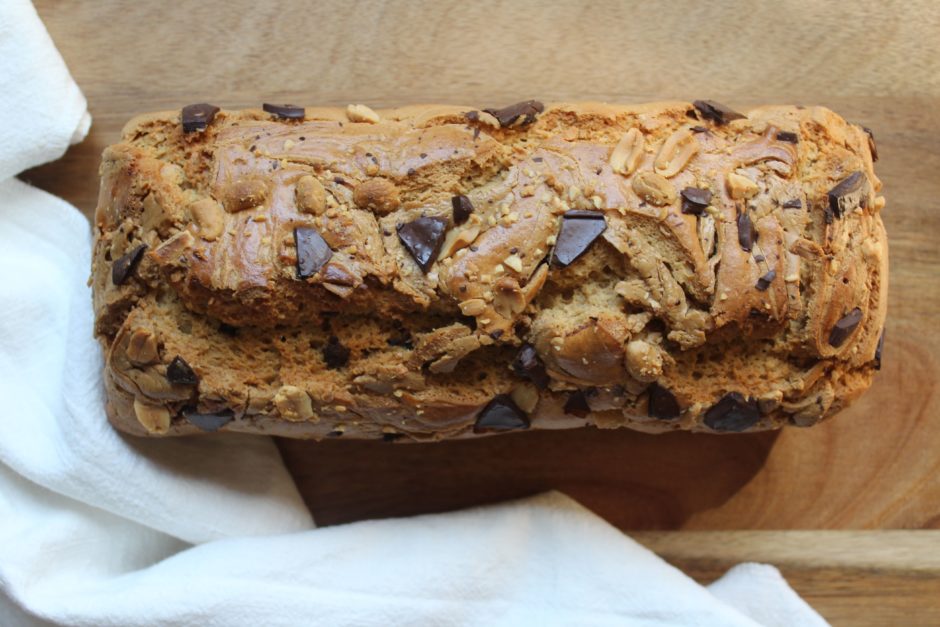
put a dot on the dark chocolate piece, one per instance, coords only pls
(462, 208)
(528, 366)
(335, 354)
(662, 404)
(473, 116)
(181, 372)
(577, 405)
(846, 195)
(312, 251)
(733, 413)
(878, 349)
(196, 117)
(793, 203)
(527, 110)
(698, 129)
(787, 136)
(871, 143)
(423, 238)
(209, 422)
(125, 265)
(578, 231)
(286, 112)
(716, 112)
(747, 234)
(501, 414)
(764, 282)
(844, 327)
(695, 199)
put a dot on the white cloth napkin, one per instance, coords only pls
(101, 529)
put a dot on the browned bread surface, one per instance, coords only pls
(442, 271)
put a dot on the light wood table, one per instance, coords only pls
(849, 510)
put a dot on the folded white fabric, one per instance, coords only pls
(100, 529)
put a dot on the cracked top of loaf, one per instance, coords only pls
(442, 271)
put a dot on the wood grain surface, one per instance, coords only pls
(876, 466)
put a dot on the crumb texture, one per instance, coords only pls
(438, 272)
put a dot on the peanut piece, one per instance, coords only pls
(654, 189)
(644, 361)
(154, 418)
(675, 153)
(514, 262)
(245, 194)
(459, 239)
(380, 195)
(488, 119)
(142, 347)
(627, 153)
(293, 404)
(310, 195)
(472, 307)
(741, 187)
(361, 113)
(207, 219)
(508, 299)
(526, 396)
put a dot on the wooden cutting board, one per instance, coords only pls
(875, 467)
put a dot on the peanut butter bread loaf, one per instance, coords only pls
(440, 272)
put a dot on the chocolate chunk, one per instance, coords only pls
(473, 116)
(733, 412)
(878, 349)
(662, 403)
(787, 136)
(764, 282)
(528, 366)
(794, 203)
(846, 195)
(312, 251)
(196, 117)
(844, 327)
(209, 422)
(578, 231)
(501, 414)
(125, 265)
(747, 234)
(716, 112)
(695, 199)
(180, 372)
(462, 208)
(871, 143)
(286, 112)
(698, 129)
(577, 405)
(759, 258)
(527, 110)
(335, 354)
(423, 238)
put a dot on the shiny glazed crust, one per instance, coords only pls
(732, 268)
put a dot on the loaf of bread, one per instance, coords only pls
(438, 272)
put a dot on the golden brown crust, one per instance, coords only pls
(734, 270)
